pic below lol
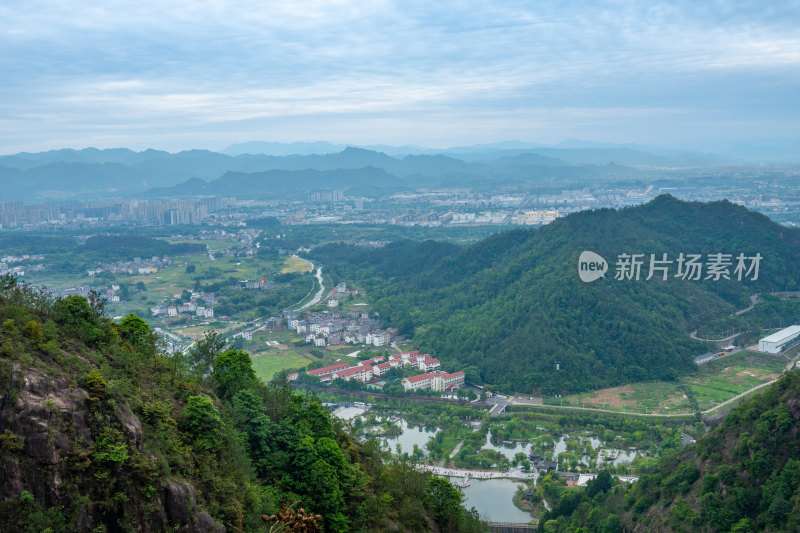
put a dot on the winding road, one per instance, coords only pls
(753, 300)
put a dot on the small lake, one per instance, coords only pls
(411, 435)
(507, 451)
(493, 500)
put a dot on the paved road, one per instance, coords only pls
(707, 411)
(729, 338)
(788, 367)
(753, 300)
(500, 404)
(739, 396)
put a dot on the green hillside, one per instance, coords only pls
(100, 431)
(510, 307)
(742, 476)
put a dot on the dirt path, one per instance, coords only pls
(753, 300)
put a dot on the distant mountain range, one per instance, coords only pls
(120, 172)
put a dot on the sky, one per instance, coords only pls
(209, 73)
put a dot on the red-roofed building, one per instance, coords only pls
(360, 373)
(325, 372)
(438, 381)
(382, 368)
(452, 381)
(429, 364)
(292, 376)
(375, 360)
(423, 381)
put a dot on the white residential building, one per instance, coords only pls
(438, 381)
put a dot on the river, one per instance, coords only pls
(317, 297)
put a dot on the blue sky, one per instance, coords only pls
(206, 74)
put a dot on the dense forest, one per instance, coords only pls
(508, 308)
(742, 476)
(100, 431)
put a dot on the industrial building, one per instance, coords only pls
(780, 341)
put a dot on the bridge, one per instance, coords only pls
(511, 527)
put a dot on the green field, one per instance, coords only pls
(295, 264)
(712, 384)
(274, 351)
(269, 363)
(213, 245)
(732, 375)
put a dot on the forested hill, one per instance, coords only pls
(100, 431)
(511, 306)
(743, 476)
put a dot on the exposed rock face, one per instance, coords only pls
(42, 416)
(794, 408)
(181, 505)
(47, 438)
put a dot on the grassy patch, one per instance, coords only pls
(269, 363)
(295, 264)
(712, 384)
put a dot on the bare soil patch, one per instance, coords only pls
(612, 397)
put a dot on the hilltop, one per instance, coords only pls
(510, 307)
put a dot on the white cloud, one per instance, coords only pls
(215, 63)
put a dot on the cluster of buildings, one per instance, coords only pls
(476, 218)
(138, 266)
(273, 323)
(246, 237)
(535, 218)
(19, 270)
(366, 371)
(322, 197)
(323, 328)
(112, 293)
(160, 213)
(193, 307)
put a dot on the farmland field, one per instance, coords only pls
(712, 384)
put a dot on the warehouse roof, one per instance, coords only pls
(783, 334)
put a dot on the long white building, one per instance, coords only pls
(780, 341)
(437, 380)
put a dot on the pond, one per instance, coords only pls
(507, 451)
(623, 456)
(493, 499)
(411, 435)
